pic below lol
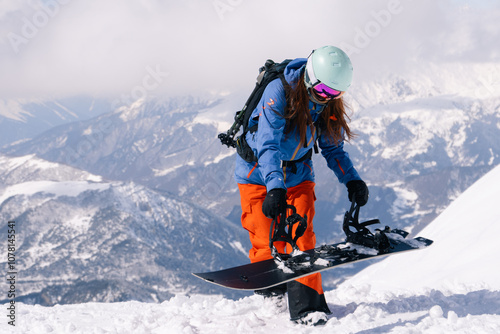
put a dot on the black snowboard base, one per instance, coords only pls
(265, 274)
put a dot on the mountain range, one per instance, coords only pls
(22, 119)
(145, 193)
(80, 238)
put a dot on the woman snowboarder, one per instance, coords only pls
(290, 119)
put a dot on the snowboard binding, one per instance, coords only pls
(362, 235)
(283, 229)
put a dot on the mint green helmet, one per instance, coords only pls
(331, 66)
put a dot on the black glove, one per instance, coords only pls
(274, 203)
(358, 191)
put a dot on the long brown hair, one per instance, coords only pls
(334, 116)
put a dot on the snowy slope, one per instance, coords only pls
(393, 296)
(465, 250)
(353, 312)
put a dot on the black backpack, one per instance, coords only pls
(267, 73)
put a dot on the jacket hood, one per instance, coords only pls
(294, 70)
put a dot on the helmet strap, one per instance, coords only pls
(321, 106)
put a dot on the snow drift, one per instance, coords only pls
(465, 250)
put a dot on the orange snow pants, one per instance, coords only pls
(258, 225)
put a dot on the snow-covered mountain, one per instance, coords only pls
(80, 238)
(417, 149)
(25, 119)
(450, 287)
(15, 170)
(155, 143)
(420, 144)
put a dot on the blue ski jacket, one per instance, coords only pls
(272, 146)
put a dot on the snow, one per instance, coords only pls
(238, 246)
(65, 188)
(46, 169)
(465, 250)
(220, 157)
(128, 114)
(354, 311)
(13, 110)
(163, 172)
(451, 287)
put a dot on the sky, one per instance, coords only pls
(131, 49)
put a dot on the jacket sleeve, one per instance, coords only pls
(271, 128)
(338, 160)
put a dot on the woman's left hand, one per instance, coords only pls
(358, 191)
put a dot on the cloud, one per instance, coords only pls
(109, 48)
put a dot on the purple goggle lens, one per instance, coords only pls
(326, 92)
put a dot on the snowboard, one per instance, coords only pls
(266, 274)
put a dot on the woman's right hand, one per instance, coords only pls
(274, 203)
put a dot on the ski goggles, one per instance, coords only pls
(321, 90)
(326, 92)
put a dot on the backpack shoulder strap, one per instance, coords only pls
(269, 72)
